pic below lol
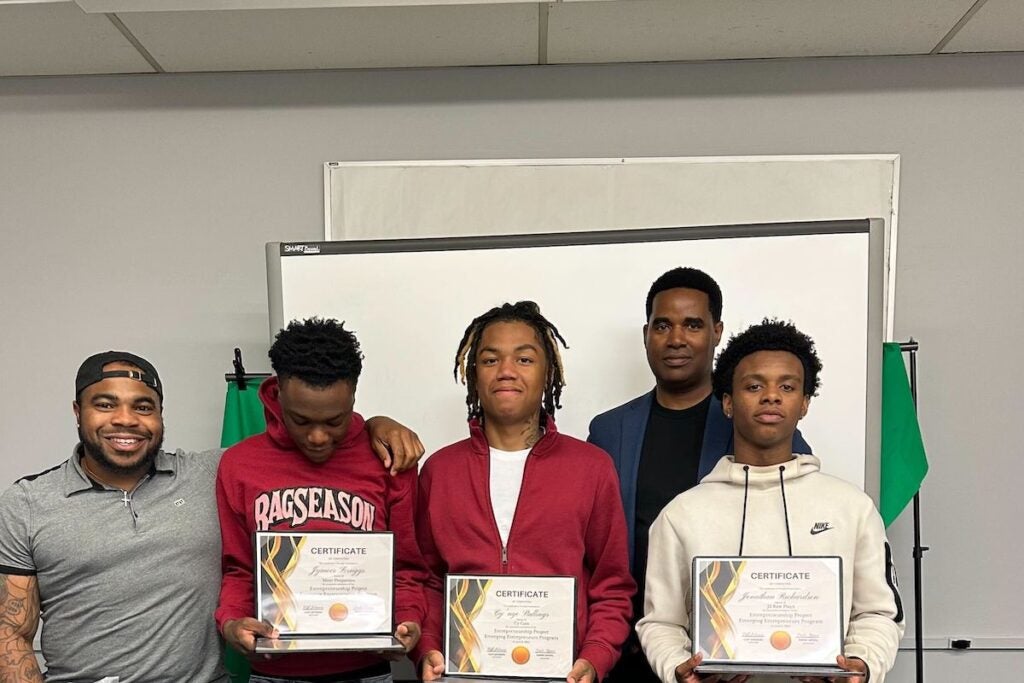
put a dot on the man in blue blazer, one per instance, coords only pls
(665, 441)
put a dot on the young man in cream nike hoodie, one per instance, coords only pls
(765, 500)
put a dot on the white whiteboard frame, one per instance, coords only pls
(811, 163)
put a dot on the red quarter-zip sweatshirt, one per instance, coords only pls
(568, 522)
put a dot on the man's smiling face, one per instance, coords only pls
(120, 422)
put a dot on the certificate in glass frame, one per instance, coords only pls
(509, 628)
(326, 591)
(768, 615)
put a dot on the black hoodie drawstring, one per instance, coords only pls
(743, 523)
(785, 510)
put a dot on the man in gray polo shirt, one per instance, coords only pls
(118, 546)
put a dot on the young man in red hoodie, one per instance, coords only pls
(313, 470)
(517, 497)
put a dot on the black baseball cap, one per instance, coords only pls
(91, 371)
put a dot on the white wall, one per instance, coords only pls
(133, 212)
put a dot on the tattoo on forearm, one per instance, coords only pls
(19, 618)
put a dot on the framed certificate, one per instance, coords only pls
(780, 615)
(509, 627)
(325, 591)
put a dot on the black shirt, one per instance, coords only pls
(668, 466)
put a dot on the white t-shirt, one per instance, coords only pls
(506, 481)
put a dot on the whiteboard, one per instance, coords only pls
(409, 302)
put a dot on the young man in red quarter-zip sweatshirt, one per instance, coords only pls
(313, 470)
(517, 497)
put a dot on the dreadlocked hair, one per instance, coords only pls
(317, 351)
(523, 312)
(770, 335)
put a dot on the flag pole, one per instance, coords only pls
(910, 348)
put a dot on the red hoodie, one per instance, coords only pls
(568, 521)
(251, 481)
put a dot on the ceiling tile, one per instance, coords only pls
(675, 30)
(452, 35)
(997, 27)
(56, 38)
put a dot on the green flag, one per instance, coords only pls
(243, 417)
(903, 460)
(243, 414)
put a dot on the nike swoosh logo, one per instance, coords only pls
(815, 532)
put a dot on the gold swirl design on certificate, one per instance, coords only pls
(722, 639)
(465, 605)
(282, 550)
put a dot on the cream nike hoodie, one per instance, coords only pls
(790, 509)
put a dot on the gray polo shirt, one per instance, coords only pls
(127, 589)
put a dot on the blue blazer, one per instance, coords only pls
(621, 431)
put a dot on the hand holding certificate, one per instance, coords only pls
(509, 628)
(778, 615)
(320, 591)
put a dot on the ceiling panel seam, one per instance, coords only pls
(126, 32)
(956, 27)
